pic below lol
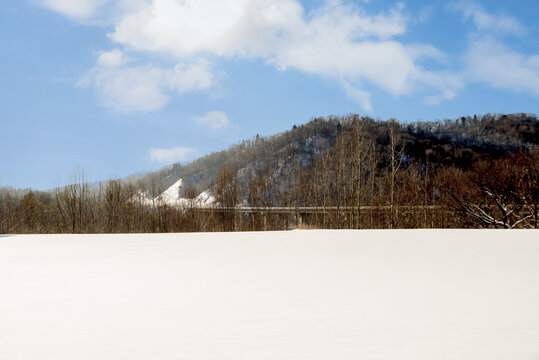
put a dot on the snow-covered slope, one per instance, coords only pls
(172, 196)
(205, 198)
(299, 295)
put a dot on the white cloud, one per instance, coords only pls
(214, 119)
(491, 62)
(338, 40)
(172, 155)
(112, 58)
(77, 9)
(145, 87)
(485, 21)
(488, 60)
(195, 76)
(221, 27)
(363, 98)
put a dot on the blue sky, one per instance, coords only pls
(117, 87)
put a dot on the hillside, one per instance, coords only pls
(458, 142)
(339, 172)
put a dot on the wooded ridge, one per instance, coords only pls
(342, 172)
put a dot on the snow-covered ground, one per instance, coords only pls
(299, 295)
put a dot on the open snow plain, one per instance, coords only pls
(299, 295)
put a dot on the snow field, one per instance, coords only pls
(312, 295)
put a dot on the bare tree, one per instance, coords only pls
(500, 193)
(71, 202)
(395, 163)
(227, 196)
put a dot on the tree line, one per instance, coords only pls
(356, 171)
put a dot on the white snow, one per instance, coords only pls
(205, 198)
(143, 197)
(171, 196)
(299, 295)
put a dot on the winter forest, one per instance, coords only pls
(346, 172)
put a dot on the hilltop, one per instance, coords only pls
(458, 142)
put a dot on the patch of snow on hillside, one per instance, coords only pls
(205, 198)
(172, 197)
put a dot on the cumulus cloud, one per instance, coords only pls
(214, 119)
(74, 8)
(144, 87)
(247, 28)
(485, 21)
(223, 27)
(337, 40)
(172, 154)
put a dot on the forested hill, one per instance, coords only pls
(335, 172)
(458, 142)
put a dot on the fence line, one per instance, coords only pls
(306, 209)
